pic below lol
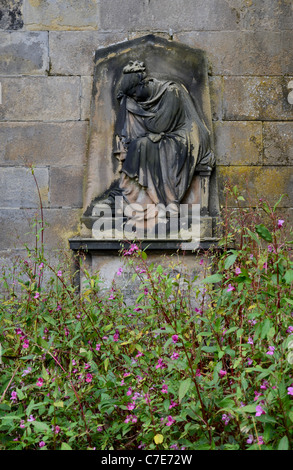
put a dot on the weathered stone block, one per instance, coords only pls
(131, 15)
(18, 189)
(287, 47)
(238, 143)
(23, 53)
(278, 143)
(256, 98)
(40, 99)
(258, 182)
(108, 266)
(268, 15)
(11, 14)
(85, 97)
(66, 186)
(17, 227)
(61, 14)
(72, 52)
(239, 52)
(216, 97)
(43, 143)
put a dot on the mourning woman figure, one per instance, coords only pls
(160, 139)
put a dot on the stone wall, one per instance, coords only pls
(46, 67)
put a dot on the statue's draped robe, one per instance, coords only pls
(164, 139)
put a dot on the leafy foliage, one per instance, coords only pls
(90, 371)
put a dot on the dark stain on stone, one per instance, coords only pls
(11, 15)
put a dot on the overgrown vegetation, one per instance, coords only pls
(190, 365)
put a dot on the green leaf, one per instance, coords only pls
(212, 279)
(143, 255)
(289, 276)
(263, 232)
(183, 388)
(41, 427)
(230, 260)
(253, 236)
(283, 444)
(59, 404)
(65, 446)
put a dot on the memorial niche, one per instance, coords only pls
(158, 113)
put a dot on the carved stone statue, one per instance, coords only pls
(160, 140)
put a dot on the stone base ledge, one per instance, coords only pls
(90, 245)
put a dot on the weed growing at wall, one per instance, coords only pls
(91, 372)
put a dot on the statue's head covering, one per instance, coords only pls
(133, 74)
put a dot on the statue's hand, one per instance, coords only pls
(155, 137)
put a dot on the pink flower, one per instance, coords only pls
(172, 404)
(26, 344)
(59, 274)
(238, 271)
(222, 373)
(280, 223)
(257, 395)
(13, 396)
(259, 411)
(40, 382)
(230, 288)
(249, 361)
(89, 378)
(99, 429)
(119, 272)
(42, 444)
(41, 266)
(87, 366)
(116, 336)
(146, 291)
(260, 440)
(161, 364)
(226, 418)
(98, 347)
(250, 439)
(201, 262)
(250, 340)
(164, 388)
(129, 391)
(131, 406)
(175, 338)
(37, 295)
(290, 391)
(170, 421)
(290, 329)
(271, 350)
(174, 356)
